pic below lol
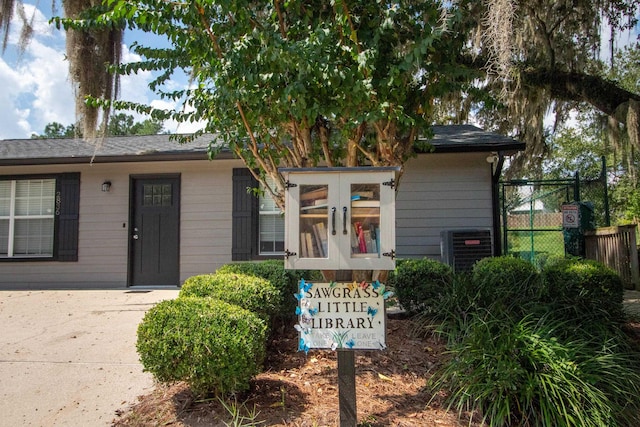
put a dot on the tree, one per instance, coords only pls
(355, 82)
(124, 124)
(578, 148)
(89, 50)
(298, 85)
(119, 125)
(543, 57)
(57, 130)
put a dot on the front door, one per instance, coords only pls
(154, 226)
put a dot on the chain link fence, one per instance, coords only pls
(531, 214)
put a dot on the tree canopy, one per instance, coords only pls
(357, 82)
(119, 124)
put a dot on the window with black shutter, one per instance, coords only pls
(39, 217)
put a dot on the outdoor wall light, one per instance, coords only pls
(492, 158)
(106, 186)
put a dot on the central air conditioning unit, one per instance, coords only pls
(461, 249)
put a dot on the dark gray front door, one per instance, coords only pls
(155, 237)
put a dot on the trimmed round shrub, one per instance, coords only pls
(420, 283)
(585, 290)
(253, 293)
(504, 282)
(286, 281)
(213, 346)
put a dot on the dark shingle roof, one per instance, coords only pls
(456, 138)
(469, 138)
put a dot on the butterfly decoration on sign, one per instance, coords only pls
(302, 329)
(351, 343)
(305, 286)
(305, 319)
(372, 311)
(382, 289)
(305, 308)
(303, 346)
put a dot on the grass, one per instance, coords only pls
(549, 242)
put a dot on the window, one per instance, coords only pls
(26, 217)
(157, 195)
(271, 225)
(39, 217)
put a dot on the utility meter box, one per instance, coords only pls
(577, 217)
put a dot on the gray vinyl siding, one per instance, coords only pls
(205, 232)
(437, 192)
(440, 192)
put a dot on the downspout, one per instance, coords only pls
(496, 172)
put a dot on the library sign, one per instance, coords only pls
(341, 315)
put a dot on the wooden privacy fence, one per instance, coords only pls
(617, 248)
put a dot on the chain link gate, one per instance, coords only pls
(531, 215)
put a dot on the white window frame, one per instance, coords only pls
(263, 213)
(12, 217)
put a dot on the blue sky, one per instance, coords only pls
(35, 89)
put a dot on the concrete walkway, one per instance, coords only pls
(68, 358)
(632, 304)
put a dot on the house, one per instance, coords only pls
(147, 211)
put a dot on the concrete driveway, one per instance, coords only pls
(68, 358)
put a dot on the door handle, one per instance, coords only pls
(135, 237)
(344, 220)
(333, 221)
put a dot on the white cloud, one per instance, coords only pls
(35, 85)
(36, 89)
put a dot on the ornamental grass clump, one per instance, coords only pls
(538, 350)
(253, 293)
(213, 346)
(516, 372)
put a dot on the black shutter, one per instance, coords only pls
(67, 214)
(245, 216)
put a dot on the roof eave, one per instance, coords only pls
(507, 149)
(147, 157)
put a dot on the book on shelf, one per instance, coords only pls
(304, 253)
(368, 241)
(362, 244)
(310, 207)
(365, 203)
(320, 193)
(312, 247)
(365, 241)
(320, 232)
(361, 195)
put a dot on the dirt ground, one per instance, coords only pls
(298, 390)
(302, 390)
